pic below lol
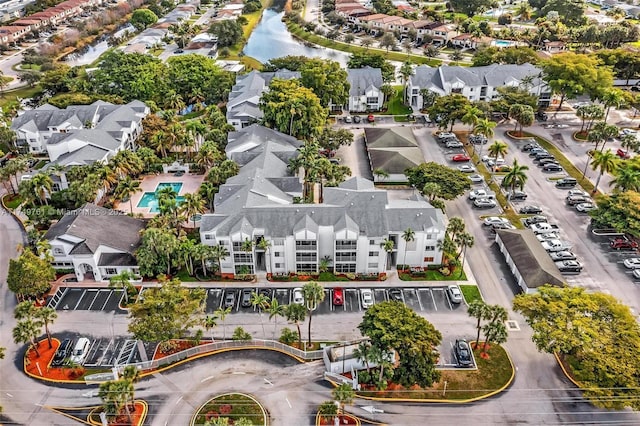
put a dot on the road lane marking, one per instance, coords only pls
(206, 378)
(238, 372)
(287, 399)
(266, 380)
(178, 401)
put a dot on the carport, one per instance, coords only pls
(529, 263)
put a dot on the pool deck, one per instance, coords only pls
(190, 184)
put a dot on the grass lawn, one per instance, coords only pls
(233, 406)
(12, 201)
(40, 164)
(470, 293)
(395, 106)
(9, 97)
(491, 375)
(434, 275)
(184, 276)
(33, 67)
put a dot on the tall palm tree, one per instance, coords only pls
(191, 205)
(405, 71)
(387, 245)
(275, 310)
(210, 322)
(472, 115)
(126, 188)
(222, 313)
(408, 235)
(123, 281)
(497, 149)
(364, 353)
(629, 142)
(516, 177)
(484, 127)
(296, 313)
(313, 294)
(603, 162)
(161, 142)
(480, 310)
(611, 98)
(46, 316)
(344, 395)
(107, 176)
(627, 177)
(218, 254)
(265, 245)
(381, 174)
(42, 185)
(27, 331)
(524, 11)
(208, 192)
(259, 301)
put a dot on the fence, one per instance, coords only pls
(230, 344)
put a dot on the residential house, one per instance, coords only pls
(365, 90)
(469, 41)
(346, 229)
(95, 242)
(475, 83)
(242, 107)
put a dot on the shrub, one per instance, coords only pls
(240, 334)
(288, 336)
(445, 271)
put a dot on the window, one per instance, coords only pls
(57, 251)
(372, 242)
(430, 236)
(277, 254)
(456, 90)
(278, 242)
(208, 237)
(430, 248)
(346, 257)
(278, 265)
(223, 243)
(110, 271)
(428, 259)
(306, 245)
(237, 246)
(346, 245)
(244, 269)
(345, 267)
(243, 258)
(306, 257)
(373, 253)
(372, 265)
(371, 100)
(306, 267)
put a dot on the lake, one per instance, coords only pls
(271, 39)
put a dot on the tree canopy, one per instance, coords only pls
(509, 55)
(618, 211)
(451, 182)
(327, 80)
(599, 335)
(470, 7)
(166, 312)
(30, 275)
(449, 109)
(228, 31)
(373, 60)
(393, 325)
(510, 95)
(192, 75)
(143, 18)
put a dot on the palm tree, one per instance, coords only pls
(123, 281)
(313, 294)
(27, 331)
(471, 116)
(218, 254)
(484, 127)
(497, 149)
(495, 330)
(208, 192)
(265, 245)
(344, 395)
(629, 142)
(408, 235)
(405, 71)
(46, 316)
(480, 310)
(387, 245)
(210, 322)
(524, 11)
(611, 98)
(381, 174)
(260, 301)
(162, 143)
(456, 55)
(108, 177)
(275, 310)
(126, 188)
(604, 162)
(602, 132)
(516, 177)
(522, 114)
(455, 227)
(222, 313)
(191, 205)
(627, 178)
(42, 185)
(296, 313)
(364, 353)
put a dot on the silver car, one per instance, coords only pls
(454, 293)
(484, 203)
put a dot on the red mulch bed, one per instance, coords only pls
(44, 361)
(137, 417)
(344, 420)
(181, 345)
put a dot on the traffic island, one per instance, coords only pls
(90, 415)
(232, 406)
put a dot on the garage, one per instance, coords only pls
(529, 263)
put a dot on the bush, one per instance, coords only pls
(288, 336)
(445, 271)
(240, 334)
(505, 19)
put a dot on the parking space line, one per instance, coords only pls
(448, 301)
(402, 295)
(433, 299)
(80, 300)
(419, 301)
(107, 300)
(94, 299)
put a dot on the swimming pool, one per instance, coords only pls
(150, 200)
(503, 43)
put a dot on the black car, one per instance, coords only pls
(529, 146)
(357, 119)
(542, 116)
(462, 352)
(544, 161)
(551, 168)
(543, 156)
(62, 353)
(245, 298)
(266, 292)
(535, 219)
(566, 183)
(530, 210)
(518, 195)
(395, 294)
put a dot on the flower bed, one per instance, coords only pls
(346, 419)
(232, 406)
(175, 346)
(138, 415)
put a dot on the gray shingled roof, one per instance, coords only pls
(84, 156)
(98, 226)
(360, 79)
(533, 262)
(392, 150)
(117, 259)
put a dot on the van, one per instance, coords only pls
(80, 351)
(567, 182)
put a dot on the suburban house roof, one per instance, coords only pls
(392, 150)
(97, 226)
(533, 262)
(361, 79)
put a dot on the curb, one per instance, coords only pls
(264, 412)
(16, 218)
(356, 418)
(564, 371)
(445, 401)
(143, 417)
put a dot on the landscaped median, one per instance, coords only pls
(232, 406)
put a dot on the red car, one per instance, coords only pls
(371, 118)
(623, 243)
(338, 297)
(622, 154)
(461, 158)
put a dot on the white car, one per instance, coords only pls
(454, 293)
(367, 298)
(298, 297)
(632, 263)
(480, 193)
(454, 144)
(547, 236)
(577, 192)
(467, 169)
(625, 132)
(555, 245)
(487, 158)
(484, 203)
(491, 220)
(585, 207)
(542, 228)
(636, 273)
(476, 178)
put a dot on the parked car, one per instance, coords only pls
(517, 195)
(567, 182)
(462, 353)
(367, 298)
(555, 245)
(395, 294)
(562, 255)
(535, 219)
(445, 135)
(535, 151)
(623, 154)
(466, 169)
(530, 210)
(541, 228)
(488, 158)
(348, 119)
(476, 178)
(569, 266)
(297, 296)
(623, 243)
(371, 118)
(626, 132)
(636, 274)
(178, 51)
(503, 225)
(245, 298)
(546, 161)
(338, 296)
(357, 119)
(502, 169)
(477, 139)
(481, 193)
(554, 168)
(542, 116)
(230, 299)
(632, 263)
(529, 146)
(484, 203)
(80, 351)
(62, 352)
(460, 158)
(454, 293)
(573, 200)
(488, 221)
(454, 144)
(542, 156)
(547, 236)
(579, 192)
(585, 207)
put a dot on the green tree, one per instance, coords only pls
(373, 60)
(522, 114)
(495, 329)
(113, 395)
(364, 353)
(512, 95)
(516, 177)
(618, 211)
(222, 313)
(571, 12)
(388, 41)
(449, 108)
(192, 205)
(27, 331)
(313, 294)
(479, 310)
(157, 250)
(343, 394)
(275, 310)
(485, 127)
(197, 78)
(126, 188)
(328, 410)
(387, 245)
(470, 7)
(166, 312)
(296, 314)
(571, 75)
(626, 177)
(228, 31)
(589, 114)
(260, 302)
(497, 149)
(143, 18)
(42, 184)
(603, 162)
(453, 183)
(29, 275)
(393, 325)
(332, 139)
(408, 235)
(240, 334)
(327, 80)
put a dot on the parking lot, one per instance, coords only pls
(108, 352)
(429, 299)
(86, 299)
